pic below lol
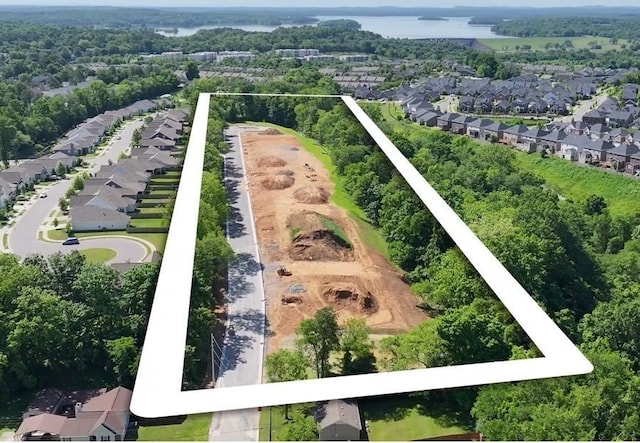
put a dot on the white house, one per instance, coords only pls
(94, 218)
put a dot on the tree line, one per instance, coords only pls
(578, 262)
(621, 27)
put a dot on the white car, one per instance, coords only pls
(43, 195)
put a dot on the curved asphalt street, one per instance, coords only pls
(23, 237)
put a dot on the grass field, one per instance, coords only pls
(149, 222)
(57, 234)
(406, 418)
(98, 255)
(194, 428)
(158, 211)
(538, 43)
(340, 197)
(576, 182)
(5, 240)
(157, 239)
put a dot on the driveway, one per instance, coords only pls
(23, 236)
(242, 351)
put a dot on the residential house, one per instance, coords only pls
(519, 106)
(552, 141)
(595, 116)
(476, 127)
(630, 94)
(69, 161)
(620, 156)
(445, 120)
(634, 164)
(103, 418)
(460, 123)
(513, 134)
(502, 107)
(495, 131)
(107, 198)
(598, 131)
(339, 420)
(596, 151)
(530, 140)
(571, 147)
(465, 104)
(620, 119)
(8, 191)
(620, 135)
(429, 119)
(578, 127)
(159, 143)
(95, 218)
(537, 106)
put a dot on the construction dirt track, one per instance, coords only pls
(316, 241)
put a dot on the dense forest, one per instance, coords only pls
(115, 17)
(577, 261)
(618, 27)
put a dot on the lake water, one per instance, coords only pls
(388, 27)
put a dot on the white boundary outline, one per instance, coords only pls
(157, 391)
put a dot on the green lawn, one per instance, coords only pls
(173, 174)
(5, 240)
(577, 182)
(157, 239)
(149, 223)
(194, 428)
(98, 255)
(525, 121)
(538, 43)
(58, 234)
(340, 197)
(166, 180)
(405, 418)
(167, 193)
(158, 211)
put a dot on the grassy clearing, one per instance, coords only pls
(164, 192)
(157, 239)
(406, 418)
(57, 234)
(5, 240)
(538, 43)
(576, 182)
(173, 173)
(98, 255)
(340, 196)
(525, 121)
(158, 211)
(194, 428)
(167, 180)
(276, 420)
(149, 223)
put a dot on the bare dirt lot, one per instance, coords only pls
(318, 243)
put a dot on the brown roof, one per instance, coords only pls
(339, 411)
(50, 423)
(117, 399)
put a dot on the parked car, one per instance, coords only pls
(71, 241)
(43, 195)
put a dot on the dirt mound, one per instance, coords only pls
(351, 297)
(315, 237)
(271, 162)
(270, 131)
(280, 180)
(312, 194)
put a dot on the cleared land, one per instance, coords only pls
(300, 228)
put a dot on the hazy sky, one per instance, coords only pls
(213, 3)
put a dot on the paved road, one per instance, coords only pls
(23, 237)
(242, 351)
(585, 107)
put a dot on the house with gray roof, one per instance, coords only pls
(445, 120)
(495, 131)
(552, 141)
(620, 156)
(475, 128)
(339, 420)
(513, 134)
(571, 147)
(596, 151)
(95, 218)
(620, 135)
(598, 131)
